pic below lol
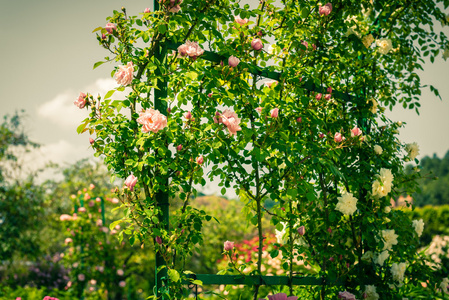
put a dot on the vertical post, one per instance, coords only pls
(161, 196)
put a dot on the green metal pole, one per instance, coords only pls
(161, 196)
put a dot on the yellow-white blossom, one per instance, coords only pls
(378, 149)
(398, 271)
(367, 40)
(412, 150)
(390, 238)
(370, 292)
(384, 45)
(444, 284)
(347, 204)
(368, 256)
(381, 257)
(419, 226)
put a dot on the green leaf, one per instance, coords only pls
(162, 28)
(132, 239)
(197, 282)
(81, 128)
(98, 28)
(98, 63)
(113, 224)
(109, 94)
(173, 275)
(304, 12)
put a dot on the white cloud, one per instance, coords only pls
(61, 152)
(61, 110)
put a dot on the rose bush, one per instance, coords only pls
(319, 172)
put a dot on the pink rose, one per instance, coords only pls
(230, 119)
(355, 131)
(99, 222)
(122, 284)
(329, 90)
(228, 246)
(191, 49)
(81, 277)
(82, 210)
(68, 241)
(120, 272)
(217, 118)
(337, 137)
(301, 230)
(240, 20)
(159, 240)
(327, 97)
(259, 109)
(179, 148)
(91, 203)
(81, 100)
(188, 115)
(281, 296)
(152, 120)
(299, 120)
(270, 83)
(346, 296)
(124, 75)
(130, 182)
(325, 10)
(110, 27)
(318, 96)
(200, 160)
(257, 44)
(233, 61)
(65, 217)
(175, 9)
(305, 44)
(146, 11)
(329, 230)
(275, 112)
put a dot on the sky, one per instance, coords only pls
(48, 51)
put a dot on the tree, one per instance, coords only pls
(434, 186)
(21, 200)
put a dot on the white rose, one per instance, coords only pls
(347, 204)
(384, 45)
(378, 149)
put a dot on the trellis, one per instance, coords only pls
(161, 276)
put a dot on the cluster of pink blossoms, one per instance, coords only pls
(173, 5)
(124, 75)
(152, 120)
(281, 296)
(110, 27)
(191, 49)
(325, 10)
(240, 21)
(130, 182)
(230, 119)
(346, 296)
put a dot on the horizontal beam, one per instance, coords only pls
(209, 279)
(265, 72)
